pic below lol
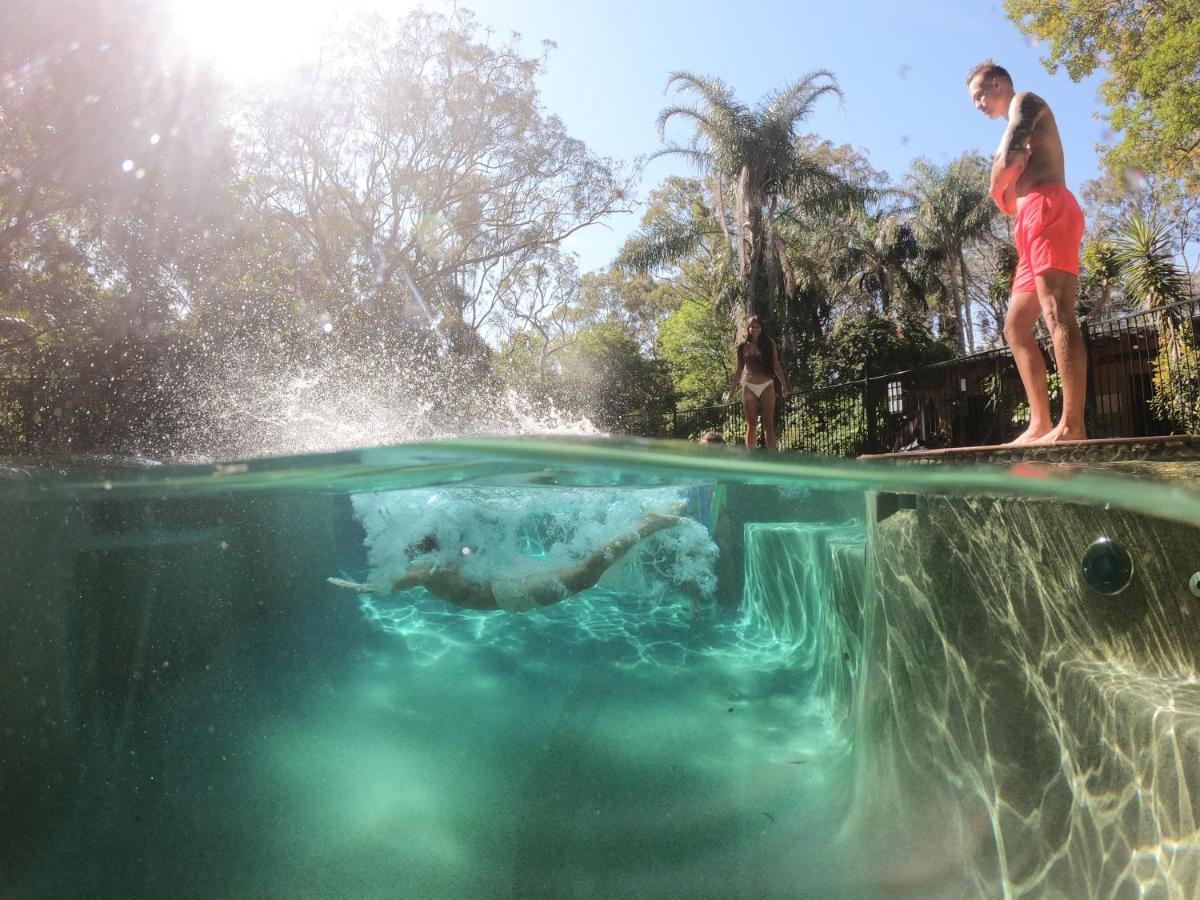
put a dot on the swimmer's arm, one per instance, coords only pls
(1013, 156)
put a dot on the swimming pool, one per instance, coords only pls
(831, 680)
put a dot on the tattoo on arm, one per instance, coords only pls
(1020, 128)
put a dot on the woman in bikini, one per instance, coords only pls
(757, 368)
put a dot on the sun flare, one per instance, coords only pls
(258, 39)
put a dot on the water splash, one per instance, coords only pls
(265, 402)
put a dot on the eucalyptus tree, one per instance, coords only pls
(426, 182)
(111, 165)
(950, 209)
(761, 174)
(1146, 50)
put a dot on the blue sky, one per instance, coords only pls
(901, 66)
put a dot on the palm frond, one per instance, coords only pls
(663, 243)
(789, 106)
(687, 112)
(715, 92)
(702, 159)
(1146, 262)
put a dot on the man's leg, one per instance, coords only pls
(1023, 311)
(1056, 294)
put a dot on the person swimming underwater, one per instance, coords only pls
(531, 590)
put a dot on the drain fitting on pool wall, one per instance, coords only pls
(1194, 584)
(1107, 567)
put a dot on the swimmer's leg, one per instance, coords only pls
(355, 586)
(590, 569)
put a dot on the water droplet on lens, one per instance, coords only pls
(127, 166)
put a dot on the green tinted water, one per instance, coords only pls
(192, 709)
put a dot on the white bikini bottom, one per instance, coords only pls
(757, 388)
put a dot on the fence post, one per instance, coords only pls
(872, 437)
(1089, 390)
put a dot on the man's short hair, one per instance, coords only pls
(989, 68)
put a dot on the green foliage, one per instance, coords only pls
(696, 343)
(1020, 415)
(1148, 52)
(1143, 256)
(1100, 273)
(826, 424)
(602, 374)
(1176, 375)
(863, 342)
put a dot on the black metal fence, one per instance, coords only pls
(1143, 380)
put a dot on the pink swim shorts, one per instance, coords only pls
(1048, 231)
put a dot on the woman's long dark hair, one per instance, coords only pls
(757, 349)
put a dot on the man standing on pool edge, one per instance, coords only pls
(1029, 181)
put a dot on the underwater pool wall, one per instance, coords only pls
(110, 606)
(1019, 734)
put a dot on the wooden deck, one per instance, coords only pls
(1175, 448)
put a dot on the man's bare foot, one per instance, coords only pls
(1062, 433)
(1031, 435)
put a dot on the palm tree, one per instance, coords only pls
(951, 208)
(882, 260)
(757, 155)
(1143, 256)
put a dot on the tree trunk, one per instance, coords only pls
(756, 256)
(951, 255)
(968, 318)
